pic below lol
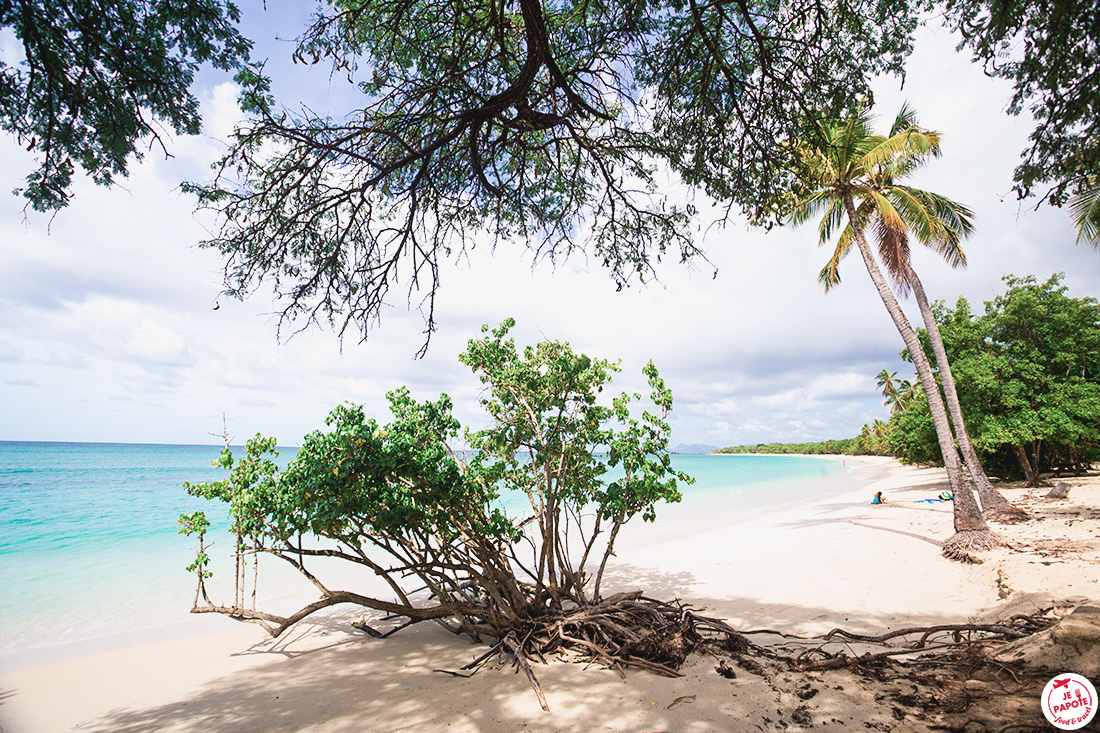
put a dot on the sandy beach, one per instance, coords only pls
(802, 570)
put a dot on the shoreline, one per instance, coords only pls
(165, 617)
(807, 568)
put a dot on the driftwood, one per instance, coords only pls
(1060, 491)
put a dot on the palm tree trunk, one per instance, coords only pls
(994, 505)
(971, 530)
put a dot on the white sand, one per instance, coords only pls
(805, 569)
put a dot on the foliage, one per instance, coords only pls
(1050, 51)
(550, 125)
(845, 160)
(1084, 206)
(1028, 375)
(868, 443)
(95, 79)
(557, 125)
(398, 500)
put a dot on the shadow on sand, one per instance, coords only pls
(324, 676)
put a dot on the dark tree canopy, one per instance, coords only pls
(97, 77)
(550, 123)
(1050, 51)
(560, 125)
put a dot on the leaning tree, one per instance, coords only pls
(897, 214)
(846, 174)
(508, 539)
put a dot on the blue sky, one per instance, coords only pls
(108, 330)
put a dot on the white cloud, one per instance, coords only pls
(111, 312)
(9, 353)
(156, 343)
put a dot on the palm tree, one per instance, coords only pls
(846, 173)
(994, 505)
(1084, 207)
(939, 223)
(896, 392)
(905, 396)
(886, 384)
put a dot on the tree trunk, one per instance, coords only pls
(994, 505)
(1025, 464)
(1074, 461)
(971, 530)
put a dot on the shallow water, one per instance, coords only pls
(89, 547)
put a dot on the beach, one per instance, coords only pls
(802, 569)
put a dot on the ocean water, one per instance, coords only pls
(90, 556)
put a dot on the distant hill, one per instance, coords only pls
(694, 448)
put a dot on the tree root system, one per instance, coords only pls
(624, 631)
(956, 677)
(972, 678)
(959, 545)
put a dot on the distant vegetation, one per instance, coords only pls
(1028, 372)
(869, 443)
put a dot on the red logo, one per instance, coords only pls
(1069, 701)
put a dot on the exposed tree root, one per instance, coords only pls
(959, 545)
(634, 631)
(843, 649)
(972, 678)
(627, 630)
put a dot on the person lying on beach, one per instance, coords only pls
(944, 496)
(879, 498)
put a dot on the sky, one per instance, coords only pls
(112, 327)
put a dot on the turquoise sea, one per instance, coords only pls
(90, 557)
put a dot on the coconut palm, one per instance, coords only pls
(846, 175)
(896, 392)
(886, 384)
(1084, 207)
(940, 224)
(905, 396)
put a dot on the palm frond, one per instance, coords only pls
(845, 157)
(938, 222)
(852, 138)
(885, 210)
(913, 143)
(905, 119)
(1084, 207)
(893, 249)
(831, 220)
(829, 277)
(801, 210)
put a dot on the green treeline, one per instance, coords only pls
(1028, 377)
(1027, 372)
(861, 445)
